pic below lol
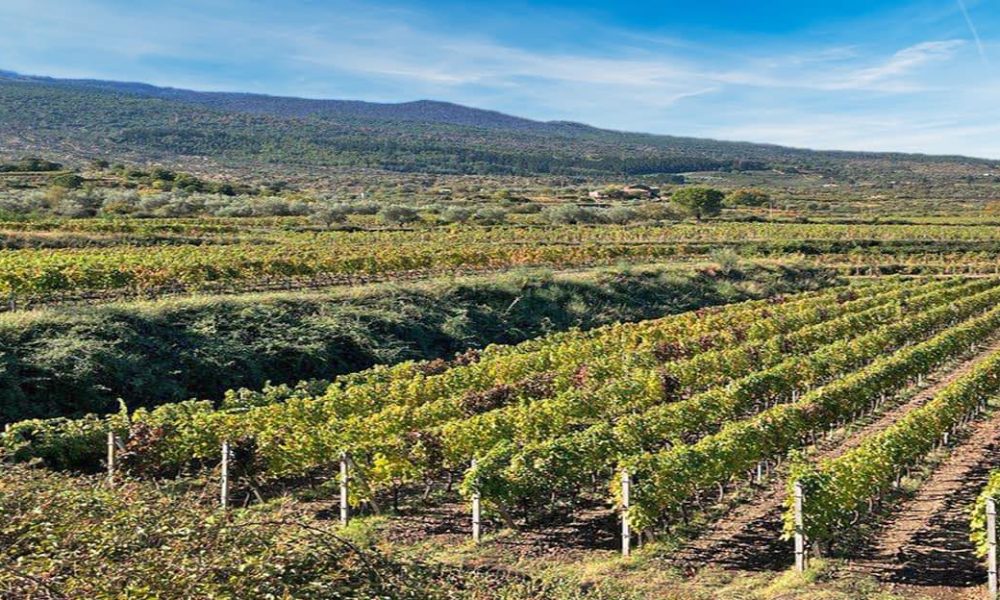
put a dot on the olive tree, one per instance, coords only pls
(748, 197)
(698, 202)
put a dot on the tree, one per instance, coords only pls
(568, 214)
(328, 215)
(620, 215)
(699, 202)
(658, 211)
(398, 215)
(748, 197)
(456, 214)
(69, 181)
(490, 216)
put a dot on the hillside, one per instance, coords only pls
(82, 119)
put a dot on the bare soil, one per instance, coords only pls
(749, 537)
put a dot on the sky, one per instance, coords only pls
(847, 74)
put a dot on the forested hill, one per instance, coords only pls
(87, 119)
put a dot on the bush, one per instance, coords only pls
(398, 215)
(569, 214)
(620, 215)
(456, 214)
(141, 540)
(363, 208)
(30, 164)
(523, 208)
(658, 211)
(490, 216)
(328, 215)
(70, 181)
(77, 205)
(119, 202)
(747, 197)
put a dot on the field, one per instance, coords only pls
(156, 258)
(714, 314)
(434, 368)
(679, 376)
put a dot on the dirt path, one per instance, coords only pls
(447, 521)
(748, 537)
(925, 543)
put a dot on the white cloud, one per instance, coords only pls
(901, 63)
(906, 132)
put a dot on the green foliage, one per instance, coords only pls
(569, 214)
(457, 214)
(490, 216)
(78, 360)
(398, 215)
(669, 478)
(748, 197)
(977, 522)
(62, 443)
(141, 541)
(29, 165)
(698, 202)
(836, 490)
(644, 406)
(189, 430)
(329, 215)
(70, 181)
(182, 126)
(658, 211)
(621, 215)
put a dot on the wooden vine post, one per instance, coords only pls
(112, 440)
(626, 531)
(475, 510)
(801, 558)
(343, 489)
(991, 540)
(224, 483)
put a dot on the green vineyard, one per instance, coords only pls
(218, 255)
(688, 410)
(686, 405)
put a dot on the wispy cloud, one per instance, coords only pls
(899, 65)
(974, 32)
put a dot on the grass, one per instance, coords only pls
(72, 360)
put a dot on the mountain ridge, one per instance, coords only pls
(145, 120)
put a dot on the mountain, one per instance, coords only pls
(90, 118)
(428, 111)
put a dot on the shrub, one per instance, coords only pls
(620, 215)
(327, 215)
(69, 181)
(140, 540)
(490, 216)
(747, 197)
(658, 211)
(398, 215)
(456, 214)
(569, 214)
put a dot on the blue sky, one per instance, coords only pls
(853, 74)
